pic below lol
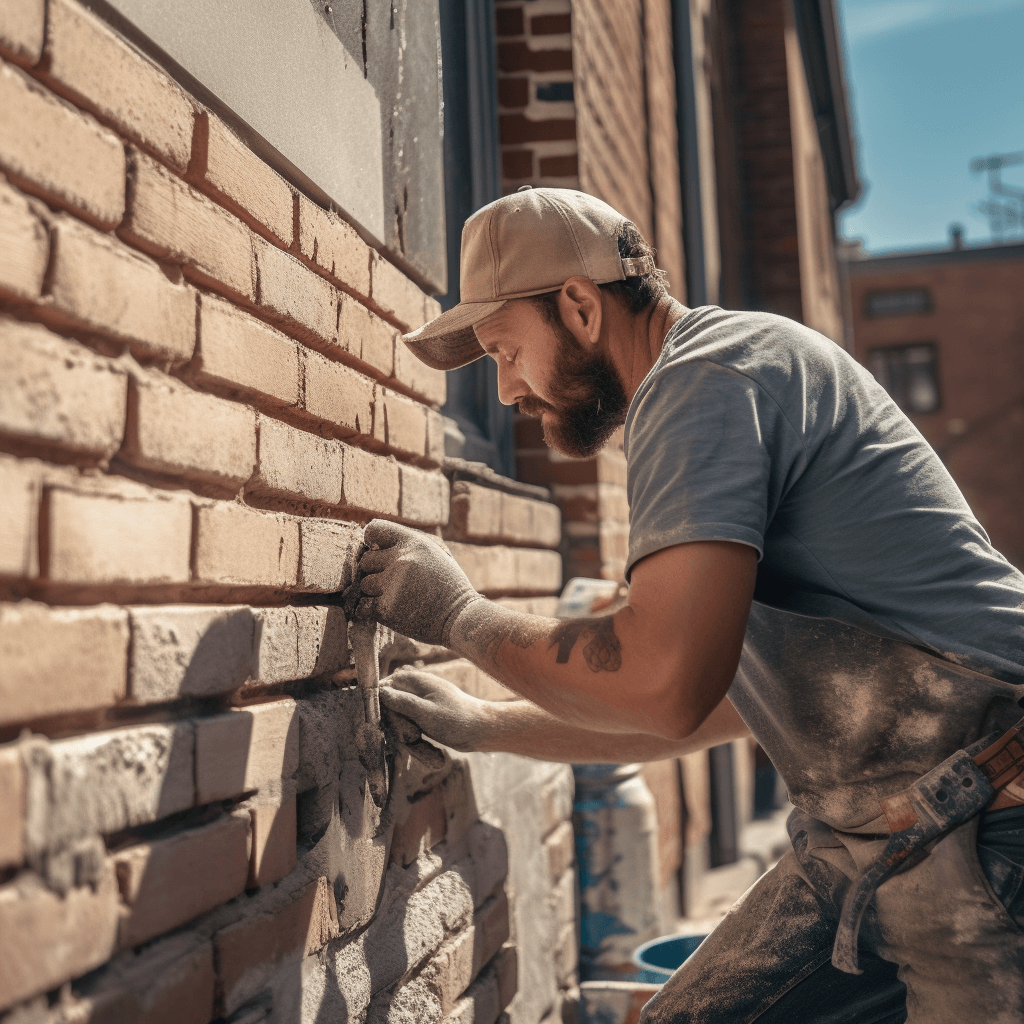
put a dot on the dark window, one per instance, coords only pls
(909, 373)
(472, 173)
(898, 302)
(555, 92)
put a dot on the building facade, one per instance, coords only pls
(215, 221)
(942, 332)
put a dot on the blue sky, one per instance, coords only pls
(933, 83)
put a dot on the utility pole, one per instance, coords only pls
(1004, 218)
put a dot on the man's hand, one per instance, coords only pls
(411, 583)
(441, 710)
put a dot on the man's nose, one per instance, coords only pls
(510, 384)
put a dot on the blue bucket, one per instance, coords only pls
(659, 958)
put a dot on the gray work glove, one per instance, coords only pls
(411, 583)
(439, 708)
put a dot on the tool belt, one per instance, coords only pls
(987, 775)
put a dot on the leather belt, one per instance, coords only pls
(987, 775)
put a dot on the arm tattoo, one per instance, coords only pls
(602, 654)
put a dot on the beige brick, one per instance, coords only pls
(12, 806)
(91, 64)
(105, 782)
(189, 651)
(489, 850)
(537, 572)
(58, 937)
(476, 512)
(435, 437)
(366, 335)
(297, 643)
(482, 513)
(294, 296)
(19, 512)
(56, 391)
(168, 882)
(241, 352)
(424, 496)
(560, 847)
(60, 153)
(24, 246)
(400, 423)
(22, 23)
(238, 545)
(42, 647)
(328, 554)
(109, 288)
(246, 949)
(497, 569)
(430, 384)
(396, 294)
(242, 182)
(173, 429)
(468, 678)
(174, 222)
(298, 464)
(274, 837)
(338, 395)
(334, 246)
(246, 750)
(371, 482)
(424, 826)
(99, 538)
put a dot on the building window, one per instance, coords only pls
(898, 302)
(909, 373)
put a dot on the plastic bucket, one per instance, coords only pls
(659, 958)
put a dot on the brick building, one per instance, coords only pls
(942, 331)
(214, 222)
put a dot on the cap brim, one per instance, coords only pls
(449, 341)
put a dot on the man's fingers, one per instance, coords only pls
(371, 586)
(382, 534)
(374, 561)
(423, 684)
(405, 704)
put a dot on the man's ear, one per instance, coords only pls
(579, 303)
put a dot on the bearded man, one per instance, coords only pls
(801, 568)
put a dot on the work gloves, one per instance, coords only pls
(411, 584)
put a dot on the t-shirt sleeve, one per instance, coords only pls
(709, 452)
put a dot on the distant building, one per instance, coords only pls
(943, 332)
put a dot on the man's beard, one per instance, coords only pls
(588, 399)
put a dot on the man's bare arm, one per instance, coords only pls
(446, 714)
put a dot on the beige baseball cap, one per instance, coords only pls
(523, 244)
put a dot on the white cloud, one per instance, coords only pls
(867, 19)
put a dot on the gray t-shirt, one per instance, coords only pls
(886, 630)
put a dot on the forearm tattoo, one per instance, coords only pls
(602, 654)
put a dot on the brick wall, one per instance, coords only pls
(202, 398)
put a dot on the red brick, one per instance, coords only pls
(246, 750)
(58, 937)
(514, 92)
(59, 392)
(222, 164)
(59, 153)
(12, 806)
(168, 882)
(107, 287)
(92, 65)
(24, 246)
(302, 927)
(396, 294)
(559, 166)
(173, 429)
(514, 57)
(21, 31)
(294, 463)
(550, 24)
(239, 351)
(338, 395)
(237, 545)
(106, 538)
(425, 826)
(517, 163)
(518, 128)
(174, 222)
(274, 838)
(400, 423)
(294, 296)
(41, 647)
(371, 483)
(334, 246)
(509, 21)
(422, 380)
(19, 500)
(366, 336)
(425, 496)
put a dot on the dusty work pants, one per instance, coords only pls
(942, 943)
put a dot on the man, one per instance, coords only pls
(800, 565)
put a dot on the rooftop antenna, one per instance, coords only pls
(1004, 217)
